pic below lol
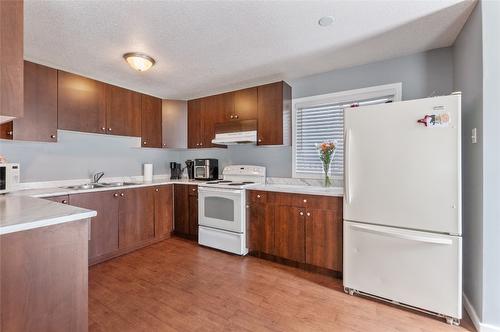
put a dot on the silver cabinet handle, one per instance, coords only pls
(103, 128)
(52, 136)
(115, 195)
(248, 206)
(201, 144)
(260, 140)
(232, 116)
(164, 144)
(194, 189)
(157, 190)
(301, 213)
(122, 195)
(64, 201)
(10, 133)
(109, 129)
(144, 142)
(308, 214)
(258, 196)
(305, 200)
(236, 116)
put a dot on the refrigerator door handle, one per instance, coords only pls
(347, 185)
(399, 235)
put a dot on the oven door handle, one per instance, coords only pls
(218, 190)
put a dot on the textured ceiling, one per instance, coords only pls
(204, 47)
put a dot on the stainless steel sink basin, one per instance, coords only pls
(117, 184)
(86, 186)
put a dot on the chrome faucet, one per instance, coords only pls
(97, 176)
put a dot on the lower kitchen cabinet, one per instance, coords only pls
(300, 228)
(163, 211)
(186, 210)
(289, 233)
(104, 226)
(136, 216)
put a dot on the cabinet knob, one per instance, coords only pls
(301, 213)
(109, 129)
(248, 206)
(258, 196)
(260, 140)
(305, 200)
(52, 136)
(164, 145)
(10, 133)
(122, 195)
(157, 190)
(236, 116)
(201, 144)
(115, 195)
(64, 201)
(232, 116)
(194, 189)
(308, 214)
(103, 128)
(144, 142)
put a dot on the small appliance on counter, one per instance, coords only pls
(206, 169)
(190, 169)
(148, 172)
(9, 177)
(175, 171)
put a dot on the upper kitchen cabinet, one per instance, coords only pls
(245, 104)
(151, 119)
(39, 122)
(274, 114)
(213, 111)
(174, 124)
(11, 59)
(195, 124)
(123, 114)
(81, 103)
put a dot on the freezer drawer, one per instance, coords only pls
(420, 269)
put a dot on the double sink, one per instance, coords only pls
(100, 185)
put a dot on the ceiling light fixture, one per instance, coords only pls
(325, 21)
(139, 61)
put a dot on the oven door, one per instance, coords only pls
(221, 208)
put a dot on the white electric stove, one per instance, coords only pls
(221, 208)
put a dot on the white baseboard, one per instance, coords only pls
(480, 327)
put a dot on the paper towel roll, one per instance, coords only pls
(148, 172)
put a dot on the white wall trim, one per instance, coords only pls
(337, 97)
(480, 327)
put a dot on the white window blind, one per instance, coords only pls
(316, 124)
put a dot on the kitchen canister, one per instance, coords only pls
(148, 172)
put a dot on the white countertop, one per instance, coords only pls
(300, 189)
(20, 213)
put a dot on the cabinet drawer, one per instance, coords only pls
(256, 196)
(64, 199)
(308, 201)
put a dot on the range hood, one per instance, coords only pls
(236, 132)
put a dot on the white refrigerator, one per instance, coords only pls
(402, 204)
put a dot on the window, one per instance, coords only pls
(320, 118)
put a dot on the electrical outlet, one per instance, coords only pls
(473, 137)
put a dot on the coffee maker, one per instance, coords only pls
(175, 171)
(190, 169)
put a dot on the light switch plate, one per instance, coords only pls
(473, 137)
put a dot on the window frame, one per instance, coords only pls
(334, 98)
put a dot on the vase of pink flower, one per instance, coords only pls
(326, 152)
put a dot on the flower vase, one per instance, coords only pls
(326, 169)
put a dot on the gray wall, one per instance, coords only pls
(491, 162)
(422, 74)
(468, 77)
(76, 155)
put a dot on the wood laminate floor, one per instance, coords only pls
(176, 285)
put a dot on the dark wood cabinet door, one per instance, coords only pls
(6, 130)
(324, 238)
(39, 122)
(245, 104)
(81, 103)
(261, 228)
(136, 216)
(164, 209)
(193, 215)
(289, 233)
(213, 112)
(104, 226)
(181, 209)
(274, 104)
(195, 125)
(123, 115)
(151, 120)
(228, 105)
(11, 58)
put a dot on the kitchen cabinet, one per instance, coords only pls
(136, 216)
(151, 122)
(186, 210)
(11, 59)
(104, 226)
(300, 228)
(63, 199)
(174, 124)
(123, 112)
(274, 114)
(213, 111)
(39, 122)
(81, 103)
(289, 233)
(163, 211)
(195, 124)
(6, 130)
(245, 104)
